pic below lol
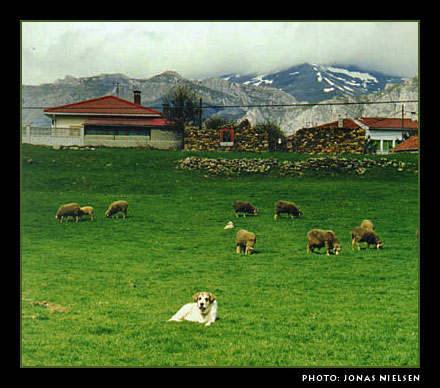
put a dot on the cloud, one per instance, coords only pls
(51, 50)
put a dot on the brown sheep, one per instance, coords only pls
(245, 241)
(287, 207)
(116, 207)
(87, 210)
(367, 224)
(318, 238)
(368, 236)
(70, 209)
(244, 207)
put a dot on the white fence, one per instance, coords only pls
(73, 136)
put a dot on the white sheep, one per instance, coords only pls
(318, 238)
(87, 210)
(367, 224)
(245, 241)
(70, 209)
(368, 236)
(116, 207)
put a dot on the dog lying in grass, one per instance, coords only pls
(204, 310)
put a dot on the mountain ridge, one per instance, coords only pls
(312, 83)
(218, 92)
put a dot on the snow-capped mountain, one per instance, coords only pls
(314, 83)
(236, 101)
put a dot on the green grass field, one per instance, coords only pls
(100, 293)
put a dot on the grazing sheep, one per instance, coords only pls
(87, 210)
(287, 207)
(70, 209)
(367, 224)
(245, 241)
(368, 236)
(244, 207)
(116, 207)
(318, 238)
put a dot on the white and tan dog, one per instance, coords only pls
(203, 311)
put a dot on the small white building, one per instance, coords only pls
(386, 133)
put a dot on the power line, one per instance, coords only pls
(309, 104)
(305, 104)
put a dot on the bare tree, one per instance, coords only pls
(183, 105)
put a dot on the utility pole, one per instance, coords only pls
(117, 89)
(404, 135)
(200, 114)
(402, 116)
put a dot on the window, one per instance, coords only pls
(89, 130)
(375, 145)
(387, 145)
(117, 131)
(139, 132)
(227, 137)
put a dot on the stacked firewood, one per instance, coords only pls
(245, 138)
(327, 141)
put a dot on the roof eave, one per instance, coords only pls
(51, 113)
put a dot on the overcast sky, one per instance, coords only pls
(52, 50)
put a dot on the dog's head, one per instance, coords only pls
(204, 301)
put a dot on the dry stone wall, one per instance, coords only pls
(325, 164)
(327, 141)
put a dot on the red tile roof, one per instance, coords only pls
(346, 123)
(389, 123)
(108, 105)
(156, 122)
(412, 144)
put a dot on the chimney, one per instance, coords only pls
(340, 122)
(137, 97)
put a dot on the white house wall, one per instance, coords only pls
(381, 135)
(67, 121)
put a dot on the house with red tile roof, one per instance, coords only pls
(384, 133)
(409, 145)
(111, 121)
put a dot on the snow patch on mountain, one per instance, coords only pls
(315, 82)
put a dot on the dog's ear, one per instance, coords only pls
(196, 296)
(212, 297)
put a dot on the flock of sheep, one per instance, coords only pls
(317, 238)
(76, 211)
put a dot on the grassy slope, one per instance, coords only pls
(276, 307)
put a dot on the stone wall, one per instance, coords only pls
(327, 141)
(323, 165)
(246, 138)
